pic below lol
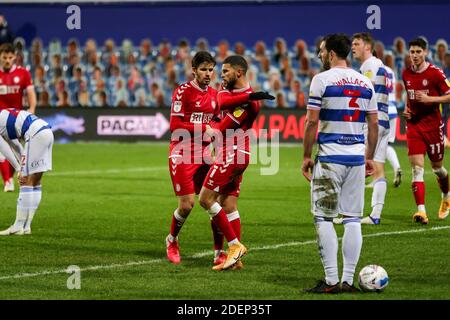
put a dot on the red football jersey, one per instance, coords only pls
(240, 113)
(433, 82)
(192, 109)
(12, 85)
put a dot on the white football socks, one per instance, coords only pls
(36, 196)
(391, 156)
(351, 247)
(378, 195)
(24, 204)
(328, 247)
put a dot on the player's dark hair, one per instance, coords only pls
(339, 43)
(7, 48)
(202, 57)
(419, 42)
(366, 37)
(237, 61)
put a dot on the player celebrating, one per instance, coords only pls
(373, 68)
(193, 106)
(14, 80)
(341, 99)
(37, 159)
(221, 187)
(426, 87)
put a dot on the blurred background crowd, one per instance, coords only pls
(144, 74)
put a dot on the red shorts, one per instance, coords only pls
(226, 178)
(187, 178)
(429, 142)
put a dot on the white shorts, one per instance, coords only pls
(37, 154)
(392, 130)
(382, 144)
(337, 189)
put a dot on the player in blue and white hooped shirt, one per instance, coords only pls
(36, 158)
(342, 100)
(391, 155)
(374, 69)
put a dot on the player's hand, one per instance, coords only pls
(260, 95)
(210, 131)
(407, 114)
(307, 168)
(423, 97)
(369, 167)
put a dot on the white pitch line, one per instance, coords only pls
(202, 254)
(106, 171)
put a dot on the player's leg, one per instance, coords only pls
(6, 174)
(183, 184)
(417, 148)
(418, 187)
(229, 203)
(442, 177)
(435, 152)
(351, 207)
(379, 180)
(37, 159)
(391, 155)
(325, 190)
(219, 254)
(218, 177)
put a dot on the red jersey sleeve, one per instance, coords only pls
(442, 82)
(234, 119)
(27, 81)
(228, 101)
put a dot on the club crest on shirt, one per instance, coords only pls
(197, 104)
(213, 104)
(425, 82)
(177, 106)
(16, 79)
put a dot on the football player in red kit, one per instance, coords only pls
(221, 187)
(426, 87)
(14, 81)
(194, 104)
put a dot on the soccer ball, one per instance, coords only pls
(373, 278)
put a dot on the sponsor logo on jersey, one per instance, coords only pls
(200, 117)
(368, 74)
(238, 112)
(177, 106)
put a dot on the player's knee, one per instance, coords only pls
(441, 172)
(185, 207)
(417, 173)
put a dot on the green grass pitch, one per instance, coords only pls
(106, 208)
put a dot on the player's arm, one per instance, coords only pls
(424, 98)
(372, 134)
(228, 101)
(12, 156)
(177, 114)
(311, 125)
(31, 93)
(32, 100)
(443, 86)
(314, 106)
